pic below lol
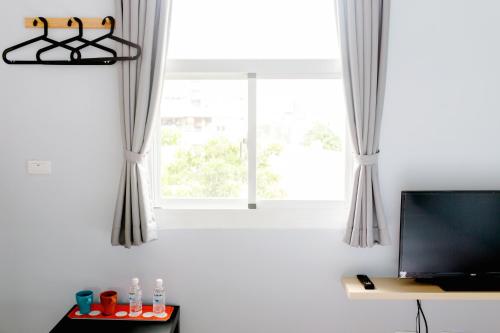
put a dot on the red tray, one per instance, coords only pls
(147, 313)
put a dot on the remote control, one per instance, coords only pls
(366, 282)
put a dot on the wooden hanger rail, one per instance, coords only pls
(62, 23)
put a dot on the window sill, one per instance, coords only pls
(267, 216)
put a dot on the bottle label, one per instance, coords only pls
(157, 299)
(131, 298)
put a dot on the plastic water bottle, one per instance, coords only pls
(159, 299)
(135, 299)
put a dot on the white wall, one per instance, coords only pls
(440, 131)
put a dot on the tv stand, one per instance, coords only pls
(472, 283)
(387, 288)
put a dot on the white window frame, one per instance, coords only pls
(236, 213)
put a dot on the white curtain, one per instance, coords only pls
(363, 28)
(144, 22)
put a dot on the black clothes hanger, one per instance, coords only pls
(34, 40)
(78, 60)
(109, 35)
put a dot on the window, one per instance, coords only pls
(300, 139)
(203, 138)
(252, 111)
(253, 29)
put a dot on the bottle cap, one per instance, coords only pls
(135, 281)
(159, 283)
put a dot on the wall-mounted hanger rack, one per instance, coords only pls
(75, 57)
(62, 23)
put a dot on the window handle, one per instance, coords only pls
(243, 145)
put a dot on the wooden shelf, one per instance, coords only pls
(408, 289)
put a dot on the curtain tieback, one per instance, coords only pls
(366, 159)
(134, 157)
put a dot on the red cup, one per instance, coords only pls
(108, 302)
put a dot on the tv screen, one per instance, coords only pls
(449, 233)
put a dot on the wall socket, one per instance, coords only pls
(38, 167)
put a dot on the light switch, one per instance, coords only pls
(37, 167)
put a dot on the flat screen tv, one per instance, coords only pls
(450, 234)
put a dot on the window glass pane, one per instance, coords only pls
(301, 130)
(253, 29)
(203, 133)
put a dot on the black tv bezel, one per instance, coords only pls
(434, 275)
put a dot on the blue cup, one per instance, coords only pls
(84, 300)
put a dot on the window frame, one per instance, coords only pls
(192, 213)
